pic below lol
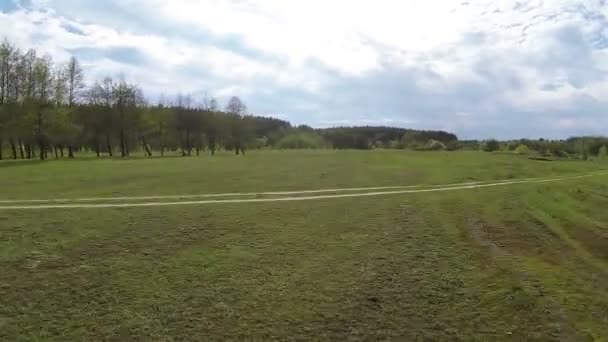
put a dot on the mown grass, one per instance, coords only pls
(267, 170)
(520, 262)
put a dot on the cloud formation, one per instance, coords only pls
(481, 69)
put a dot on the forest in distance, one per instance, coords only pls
(47, 110)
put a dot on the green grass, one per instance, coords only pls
(520, 262)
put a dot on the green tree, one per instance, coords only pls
(43, 86)
(74, 77)
(301, 140)
(603, 153)
(522, 149)
(63, 129)
(491, 145)
(240, 128)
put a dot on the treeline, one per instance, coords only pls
(384, 137)
(46, 110)
(574, 147)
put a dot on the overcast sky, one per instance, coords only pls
(480, 69)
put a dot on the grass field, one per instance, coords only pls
(517, 262)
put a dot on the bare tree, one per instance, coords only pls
(128, 98)
(59, 87)
(213, 105)
(161, 122)
(107, 91)
(6, 53)
(13, 93)
(43, 81)
(236, 107)
(209, 103)
(74, 77)
(6, 68)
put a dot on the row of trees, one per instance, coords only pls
(47, 109)
(578, 147)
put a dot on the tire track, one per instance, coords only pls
(439, 188)
(233, 194)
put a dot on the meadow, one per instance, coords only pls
(524, 261)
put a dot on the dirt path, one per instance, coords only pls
(228, 194)
(403, 190)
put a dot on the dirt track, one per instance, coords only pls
(390, 190)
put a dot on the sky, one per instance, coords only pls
(481, 69)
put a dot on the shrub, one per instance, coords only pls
(603, 152)
(434, 145)
(411, 139)
(512, 146)
(522, 149)
(303, 140)
(259, 143)
(559, 153)
(453, 146)
(397, 144)
(491, 145)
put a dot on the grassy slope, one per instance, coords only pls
(270, 170)
(506, 263)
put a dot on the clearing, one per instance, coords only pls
(518, 262)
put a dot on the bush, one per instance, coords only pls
(259, 143)
(434, 145)
(395, 144)
(303, 140)
(512, 146)
(559, 153)
(470, 145)
(491, 145)
(453, 146)
(522, 149)
(603, 152)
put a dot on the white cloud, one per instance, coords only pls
(384, 61)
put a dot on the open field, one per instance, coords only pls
(515, 262)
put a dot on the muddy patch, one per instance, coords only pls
(590, 239)
(510, 239)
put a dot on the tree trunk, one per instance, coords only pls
(42, 149)
(162, 148)
(236, 150)
(21, 150)
(97, 148)
(160, 139)
(41, 146)
(61, 150)
(181, 143)
(1, 155)
(13, 148)
(55, 150)
(28, 152)
(109, 144)
(146, 147)
(122, 144)
(242, 151)
(188, 143)
(70, 151)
